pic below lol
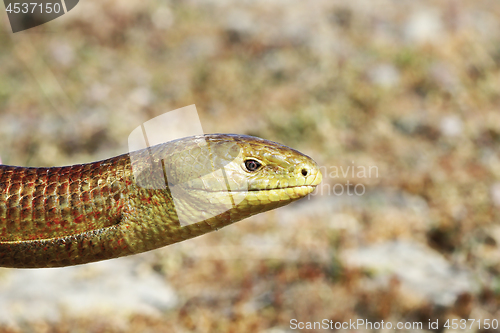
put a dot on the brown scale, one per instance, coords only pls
(43, 203)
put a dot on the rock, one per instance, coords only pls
(116, 287)
(422, 271)
(424, 26)
(495, 193)
(384, 75)
(451, 126)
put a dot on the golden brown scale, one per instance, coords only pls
(41, 203)
(72, 215)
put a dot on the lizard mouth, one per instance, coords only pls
(298, 189)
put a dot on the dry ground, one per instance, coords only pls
(412, 88)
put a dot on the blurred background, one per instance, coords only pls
(408, 90)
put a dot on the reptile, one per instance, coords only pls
(140, 201)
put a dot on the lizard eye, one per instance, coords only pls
(252, 165)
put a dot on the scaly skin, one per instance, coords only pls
(61, 216)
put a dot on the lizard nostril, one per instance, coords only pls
(304, 172)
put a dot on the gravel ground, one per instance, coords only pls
(397, 101)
